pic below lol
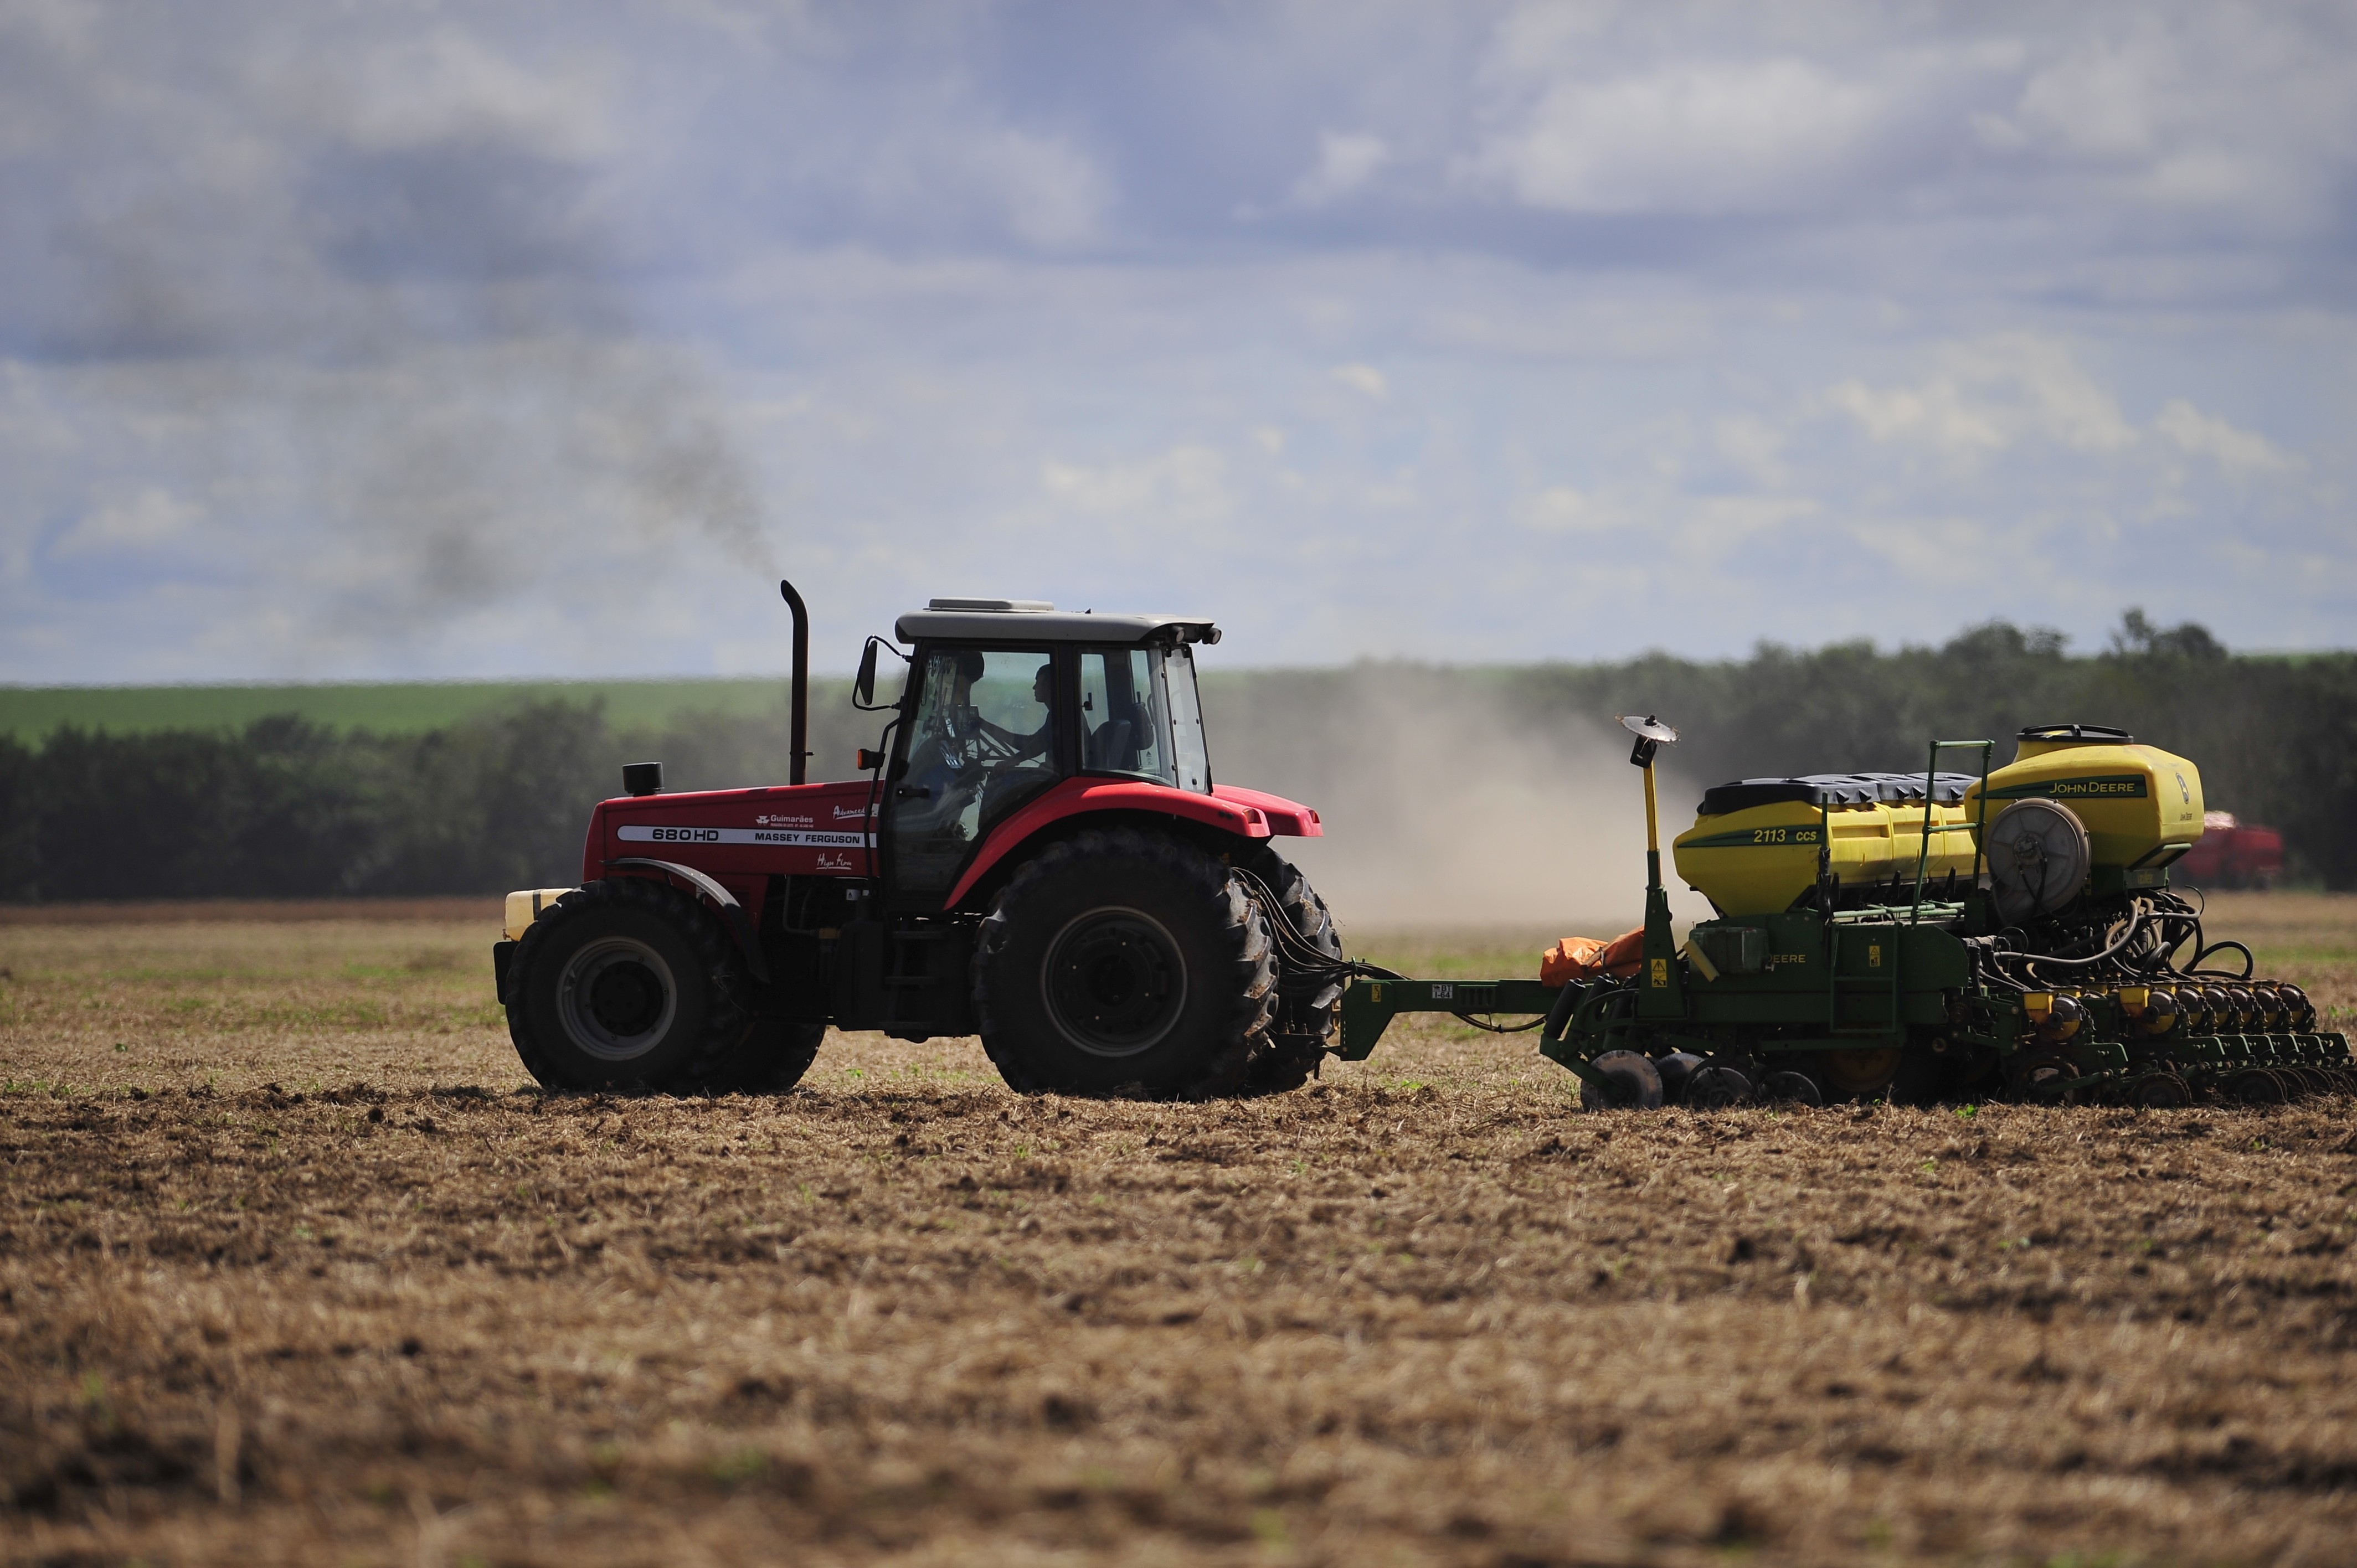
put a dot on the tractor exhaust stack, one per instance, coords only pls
(799, 725)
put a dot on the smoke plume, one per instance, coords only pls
(346, 308)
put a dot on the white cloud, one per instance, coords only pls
(1990, 395)
(2236, 451)
(1563, 509)
(1363, 378)
(2060, 400)
(449, 85)
(1708, 526)
(1718, 137)
(1936, 554)
(1752, 444)
(1994, 394)
(150, 519)
(2105, 100)
(1651, 517)
(1344, 164)
(1052, 193)
(2243, 112)
(946, 174)
(1936, 414)
(1186, 484)
(1400, 492)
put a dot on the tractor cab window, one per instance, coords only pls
(982, 743)
(1139, 716)
(1190, 755)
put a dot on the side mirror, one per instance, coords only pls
(863, 690)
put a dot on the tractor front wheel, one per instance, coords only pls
(629, 984)
(1123, 963)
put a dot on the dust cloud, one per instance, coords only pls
(1442, 807)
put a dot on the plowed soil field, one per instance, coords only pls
(296, 1267)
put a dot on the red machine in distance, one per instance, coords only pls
(2233, 854)
(1038, 855)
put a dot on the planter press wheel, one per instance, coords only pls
(1853, 1075)
(1791, 1089)
(2258, 1086)
(1636, 1083)
(2052, 1080)
(1715, 1087)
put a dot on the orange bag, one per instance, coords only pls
(1625, 955)
(1585, 958)
(1574, 958)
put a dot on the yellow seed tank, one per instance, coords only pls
(1753, 847)
(2141, 806)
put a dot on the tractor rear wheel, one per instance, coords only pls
(1123, 963)
(629, 984)
(769, 1060)
(1298, 1037)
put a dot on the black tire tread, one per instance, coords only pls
(1253, 972)
(733, 1052)
(1304, 1024)
(770, 1059)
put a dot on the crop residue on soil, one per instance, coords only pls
(293, 1267)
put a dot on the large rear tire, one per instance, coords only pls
(629, 984)
(1304, 1022)
(770, 1059)
(1121, 962)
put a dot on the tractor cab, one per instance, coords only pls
(1007, 700)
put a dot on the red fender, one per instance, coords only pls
(1289, 819)
(1247, 813)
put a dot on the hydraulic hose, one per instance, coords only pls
(1304, 956)
(1299, 951)
(1498, 1028)
(2250, 964)
(2135, 924)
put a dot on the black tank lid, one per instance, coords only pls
(2103, 732)
(1835, 789)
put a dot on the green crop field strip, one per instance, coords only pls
(29, 713)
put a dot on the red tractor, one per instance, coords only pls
(1038, 855)
(2231, 854)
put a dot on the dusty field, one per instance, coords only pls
(293, 1267)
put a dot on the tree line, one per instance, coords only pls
(284, 809)
(287, 808)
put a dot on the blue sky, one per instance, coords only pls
(537, 339)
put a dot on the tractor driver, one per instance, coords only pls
(955, 752)
(1036, 744)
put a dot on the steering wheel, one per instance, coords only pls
(992, 744)
(974, 740)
